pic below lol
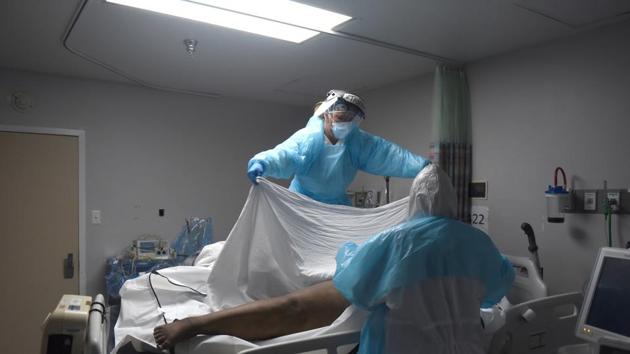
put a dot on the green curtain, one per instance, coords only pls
(451, 148)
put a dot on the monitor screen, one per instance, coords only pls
(146, 246)
(610, 304)
(604, 314)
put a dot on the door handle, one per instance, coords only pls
(68, 267)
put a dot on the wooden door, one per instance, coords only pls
(39, 228)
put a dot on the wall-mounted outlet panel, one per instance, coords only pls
(96, 216)
(614, 197)
(596, 201)
(590, 201)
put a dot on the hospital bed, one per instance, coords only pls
(534, 312)
(537, 324)
(528, 291)
(569, 323)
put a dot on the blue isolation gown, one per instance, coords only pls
(324, 171)
(433, 250)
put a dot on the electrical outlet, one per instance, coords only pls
(613, 200)
(590, 201)
(96, 216)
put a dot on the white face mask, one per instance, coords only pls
(341, 129)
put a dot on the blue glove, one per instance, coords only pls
(255, 170)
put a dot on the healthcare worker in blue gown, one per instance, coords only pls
(425, 280)
(324, 156)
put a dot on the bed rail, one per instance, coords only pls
(331, 343)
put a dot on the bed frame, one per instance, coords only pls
(538, 324)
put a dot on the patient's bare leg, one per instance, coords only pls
(316, 306)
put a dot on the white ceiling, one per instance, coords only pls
(387, 41)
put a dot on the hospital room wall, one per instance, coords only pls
(561, 104)
(565, 103)
(147, 149)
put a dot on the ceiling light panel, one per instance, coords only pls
(225, 18)
(285, 11)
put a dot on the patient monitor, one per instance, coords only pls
(605, 315)
(151, 249)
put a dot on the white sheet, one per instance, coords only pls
(281, 242)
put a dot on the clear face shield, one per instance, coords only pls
(342, 106)
(343, 112)
(343, 118)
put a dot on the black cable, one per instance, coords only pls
(156, 298)
(180, 285)
(169, 280)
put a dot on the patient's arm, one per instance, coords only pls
(313, 307)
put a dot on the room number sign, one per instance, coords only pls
(479, 217)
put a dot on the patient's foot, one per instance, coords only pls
(166, 336)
